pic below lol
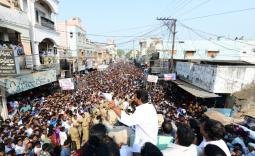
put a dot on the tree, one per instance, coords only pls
(129, 54)
(120, 52)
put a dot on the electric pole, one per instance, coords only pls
(171, 25)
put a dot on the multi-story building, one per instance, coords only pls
(217, 66)
(147, 47)
(73, 43)
(106, 52)
(45, 39)
(91, 55)
(25, 24)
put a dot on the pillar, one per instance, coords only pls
(26, 45)
(36, 57)
(3, 105)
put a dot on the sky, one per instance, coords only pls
(128, 20)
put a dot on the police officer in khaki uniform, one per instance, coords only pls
(85, 127)
(75, 136)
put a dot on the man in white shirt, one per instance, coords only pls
(19, 148)
(62, 136)
(144, 119)
(213, 133)
(184, 143)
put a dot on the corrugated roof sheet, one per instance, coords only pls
(196, 91)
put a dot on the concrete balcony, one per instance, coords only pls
(12, 18)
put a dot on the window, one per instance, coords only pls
(37, 15)
(25, 6)
(189, 53)
(212, 54)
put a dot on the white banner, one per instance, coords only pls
(152, 78)
(66, 84)
(168, 77)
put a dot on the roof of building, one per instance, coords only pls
(196, 91)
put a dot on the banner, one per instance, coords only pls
(168, 77)
(7, 62)
(22, 83)
(66, 84)
(152, 78)
(107, 96)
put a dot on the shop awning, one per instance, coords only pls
(196, 91)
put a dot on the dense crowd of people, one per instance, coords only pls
(14, 45)
(95, 119)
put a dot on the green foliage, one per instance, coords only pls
(120, 52)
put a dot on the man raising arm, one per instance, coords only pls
(144, 119)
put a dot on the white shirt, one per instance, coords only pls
(178, 150)
(221, 144)
(19, 149)
(63, 137)
(126, 104)
(29, 131)
(145, 120)
(66, 125)
(126, 151)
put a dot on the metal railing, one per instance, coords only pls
(47, 23)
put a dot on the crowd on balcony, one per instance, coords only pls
(47, 56)
(88, 121)
(15, 45)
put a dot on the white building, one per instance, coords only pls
(150, 45)
(216, 66)
(25, 24)
(73, 42)
(45, 39)
(216, 50)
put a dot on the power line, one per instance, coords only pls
(171, 2)
(201, 36)
(131, 28)
(171, 25)
(195, 7)
(219, 36)
(218, 14)
(182, 6)
(120, 36)
(142, 35)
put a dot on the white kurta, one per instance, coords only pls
(145, 120)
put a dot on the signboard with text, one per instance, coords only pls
(7, 62)
(30, 81)
(152, 78)
(169, 77)
(66, 84)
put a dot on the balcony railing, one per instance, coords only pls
(47, 23)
